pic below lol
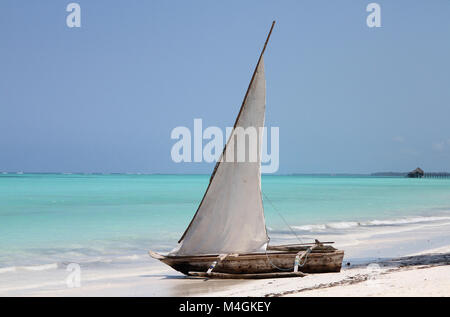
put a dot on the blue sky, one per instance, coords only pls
(105, 97)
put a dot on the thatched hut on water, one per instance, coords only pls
(417, 173)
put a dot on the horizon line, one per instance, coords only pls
(208, 174)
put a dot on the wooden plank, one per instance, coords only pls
(246, 276)
(300, 247)
(264, 263)
(299, 244)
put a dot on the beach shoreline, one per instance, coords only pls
(426, 274)
(406, 260)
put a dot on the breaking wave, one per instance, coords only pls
(371, 223)
(42, 267)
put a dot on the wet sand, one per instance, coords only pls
(413, 260)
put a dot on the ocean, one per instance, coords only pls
(47, 220)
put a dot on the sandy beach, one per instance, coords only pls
(411, 260)
(421, 275)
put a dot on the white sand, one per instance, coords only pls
(434, 281)
(426, 274)
(420, 275)
(413, 260)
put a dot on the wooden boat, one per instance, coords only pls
(278, 259)
(227, 237)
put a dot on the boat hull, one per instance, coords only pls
(318, 261)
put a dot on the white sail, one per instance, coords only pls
(230, 218)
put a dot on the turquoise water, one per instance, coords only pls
(52, 217)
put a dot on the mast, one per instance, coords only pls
(234, 126)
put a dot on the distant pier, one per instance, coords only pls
(419, 173)
(436, 175)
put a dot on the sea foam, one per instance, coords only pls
(342, 225)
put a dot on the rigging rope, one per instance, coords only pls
(277, 267)
(306, 253)
(281, 216)
(297, 262)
